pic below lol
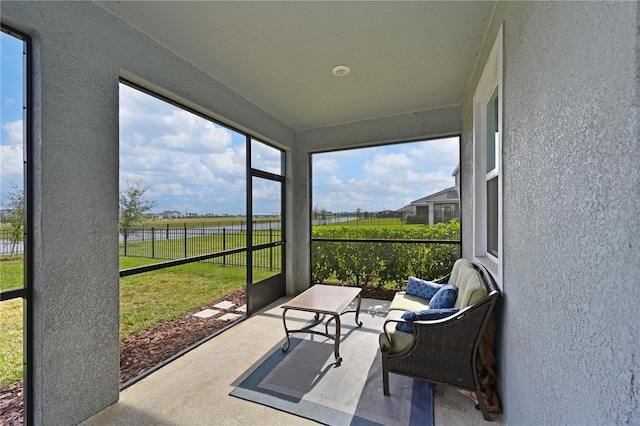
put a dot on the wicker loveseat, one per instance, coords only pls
(443, 350)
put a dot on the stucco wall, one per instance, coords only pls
(568, 351)
(80, 53)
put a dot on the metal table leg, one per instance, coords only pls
(336, 343)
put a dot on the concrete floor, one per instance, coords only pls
(194, 389)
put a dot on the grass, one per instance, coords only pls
(174, 248)
(10, 341)
(153, 297)
(145, 300)
(215, 222)
(11, 322)
(11, 273)
(372, 222)
(205, 222)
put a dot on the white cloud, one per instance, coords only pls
(386, 177)
(188, 162)
(265, 157)
(11, 155)
(11, 160)
(323, 165)
(14, 131)
(11, 169)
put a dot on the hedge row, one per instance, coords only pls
(380, 263)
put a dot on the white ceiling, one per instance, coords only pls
(404, 56)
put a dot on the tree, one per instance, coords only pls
(319, 213)
(134, 204)
(14, 215)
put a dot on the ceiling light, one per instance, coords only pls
(340, 70)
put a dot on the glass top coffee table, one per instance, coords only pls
(323, 300)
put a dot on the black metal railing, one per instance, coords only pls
(223, 246)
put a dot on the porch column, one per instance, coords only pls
(431, 206)
(298, 258)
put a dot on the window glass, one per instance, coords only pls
(492, 130)
(492, 216)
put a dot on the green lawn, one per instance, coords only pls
(153, 297)
(11, 277)
(371, 222)
(11, 274)
(10, 341)
(174, 248)
(145, 299)
(205, 222)
(157, 296)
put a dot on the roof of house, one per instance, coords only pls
(449, 194)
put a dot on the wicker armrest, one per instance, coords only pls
(386, 332)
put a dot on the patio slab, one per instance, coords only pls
(224, 305)
(230, 317)
(207, 313)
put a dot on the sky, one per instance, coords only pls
(193, 165)
(382, 178)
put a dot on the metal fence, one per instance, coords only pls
(179, 243)
(8, 245)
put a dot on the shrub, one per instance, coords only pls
(379, 263)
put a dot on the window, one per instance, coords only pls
(16, 313)
(365, 200)
(487, 162)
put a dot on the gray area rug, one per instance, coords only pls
(306, 382)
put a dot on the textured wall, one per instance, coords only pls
(80, 52)
(568, 350)
(417, 125)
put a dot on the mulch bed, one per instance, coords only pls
(11, 405)
(146, 349)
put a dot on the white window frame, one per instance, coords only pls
(490, 81)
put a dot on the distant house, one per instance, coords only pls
(439, 207)
(389, 213)
(407, 211)
(167, 214)
(435, 208)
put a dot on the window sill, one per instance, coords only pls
(492, 267)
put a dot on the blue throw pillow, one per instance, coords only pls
(421, 288)
(424, 315)
(444, 298)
